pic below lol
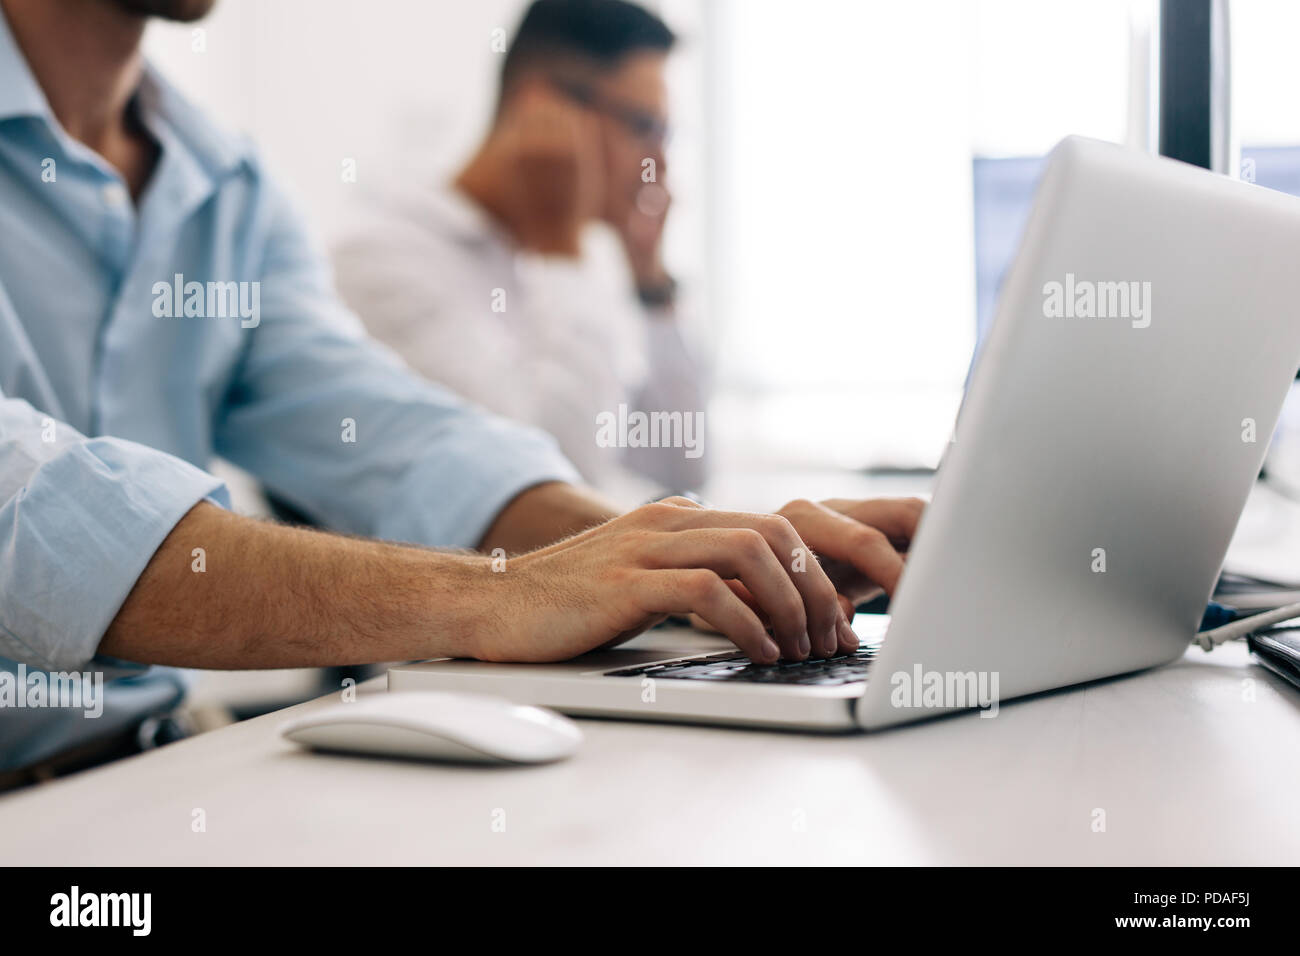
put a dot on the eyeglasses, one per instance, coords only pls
(645, 126)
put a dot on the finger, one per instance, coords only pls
(700, 591)
(801, 565)
(846, 606)
(896, 517)
(681, 502)
(744, 555)
(848, 637)
(842, 538)
(700, 624)
(798, 562)
(742, 593)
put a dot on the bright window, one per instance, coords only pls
(843, 167)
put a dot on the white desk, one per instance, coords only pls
(1186, 770)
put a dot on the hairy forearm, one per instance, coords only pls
(265, 595)
(544, 514)
(273, 596)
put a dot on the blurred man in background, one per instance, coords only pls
(487, 285)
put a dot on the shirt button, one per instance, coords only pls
(113, 194)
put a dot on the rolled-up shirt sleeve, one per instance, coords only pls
(339, 427)
(79, 520)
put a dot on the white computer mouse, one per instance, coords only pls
(434, 725)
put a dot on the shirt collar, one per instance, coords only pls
(162, 105)
(20, 94)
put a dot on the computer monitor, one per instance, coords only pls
(1004, 188)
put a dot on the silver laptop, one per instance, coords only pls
(1117, 416)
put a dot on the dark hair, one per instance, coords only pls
(598, 31)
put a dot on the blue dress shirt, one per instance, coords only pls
(113, 399)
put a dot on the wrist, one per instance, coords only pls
(543, 514)
(471, 594)
(647, 267)
(659, 292)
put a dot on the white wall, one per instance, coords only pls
(402, 86)
(1045, 69)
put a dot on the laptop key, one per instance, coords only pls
(729, 666)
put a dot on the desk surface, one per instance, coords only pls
(1193, 763)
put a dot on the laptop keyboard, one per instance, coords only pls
(730, 666)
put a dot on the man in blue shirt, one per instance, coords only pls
(159, 305)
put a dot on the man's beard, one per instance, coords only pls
(181, 11)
